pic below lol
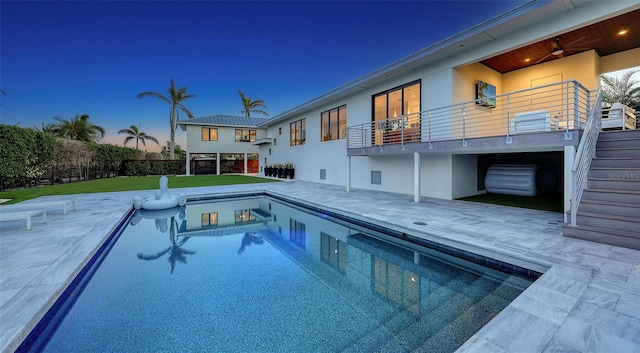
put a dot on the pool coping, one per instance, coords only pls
(584, 279)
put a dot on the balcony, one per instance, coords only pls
(542, 118)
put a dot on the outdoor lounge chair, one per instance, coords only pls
(19, 215)
(41, 205)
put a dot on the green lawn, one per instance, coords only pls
(127, 184)
(551, 203)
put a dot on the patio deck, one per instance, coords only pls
(587, 301)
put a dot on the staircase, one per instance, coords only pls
(609, 211)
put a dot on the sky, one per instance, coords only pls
(66, 58)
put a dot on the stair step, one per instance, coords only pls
(627, 196)
(621, 172)
(610, 208)
(614, 184)
(605, 221)
(618, 152)
(615, 162)
(618, 134)
(619, 143)
(602, 235)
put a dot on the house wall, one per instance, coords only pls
(464, 176)
(226, 140)
(620, 61)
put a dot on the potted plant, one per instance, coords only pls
(290, 170)
(280, 170)
(267, 170)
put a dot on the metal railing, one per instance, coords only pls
(584, 155)
(561, 106)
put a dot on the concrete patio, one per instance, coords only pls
(588, 299)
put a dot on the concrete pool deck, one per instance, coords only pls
(587, 301)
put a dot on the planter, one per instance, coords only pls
(290, 173)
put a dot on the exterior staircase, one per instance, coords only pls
(609, 211)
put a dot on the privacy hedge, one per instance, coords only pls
(25, 155)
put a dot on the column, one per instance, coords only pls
(218, 163)
(348, 173)
(245, 163)
(416, 177)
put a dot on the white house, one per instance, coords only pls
(520, 89)
(220, 144)
(415, 126)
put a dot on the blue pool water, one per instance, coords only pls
(258, 275)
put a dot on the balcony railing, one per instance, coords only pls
(561, 106)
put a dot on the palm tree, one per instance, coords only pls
(78, 128)
(622, 89)
(175, 99)
(135, 133)
(251, 105)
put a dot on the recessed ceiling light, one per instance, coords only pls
(527, 60)
(622, 32)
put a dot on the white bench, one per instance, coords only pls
(20, 215)
(534, 121)
(41, 205)
(619, 116)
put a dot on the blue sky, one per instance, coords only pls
(94, 57)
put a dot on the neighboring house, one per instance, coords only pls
(517, 89)
(221, 144)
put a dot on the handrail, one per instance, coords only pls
(565, 104)
(584, 155)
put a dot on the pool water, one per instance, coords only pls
(258, 275)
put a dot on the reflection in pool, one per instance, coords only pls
(259, 275)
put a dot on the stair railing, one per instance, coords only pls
(585, 154)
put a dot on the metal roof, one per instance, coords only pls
(222, 120)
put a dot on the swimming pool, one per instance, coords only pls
(260, 275)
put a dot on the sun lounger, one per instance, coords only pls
(26, 215)
(41, 205)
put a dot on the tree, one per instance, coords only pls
(78, 128)
(251, 105)
(175, 98)
(135, 133)
(622, 89)
(179, 153)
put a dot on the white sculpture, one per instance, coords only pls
(162, 200)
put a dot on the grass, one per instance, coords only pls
(551, 203)
(126, 184)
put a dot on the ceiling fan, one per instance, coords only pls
(559, 50)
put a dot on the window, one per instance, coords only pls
(395, 110)
(298, 131)
(243, 135)
(244, 216)
(334, 252)
(297, 233)
(333, 124)
(209, 134)
(209, 219)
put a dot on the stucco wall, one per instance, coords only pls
(226, 141)
(625, 60)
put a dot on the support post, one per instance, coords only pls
(187, 165)
(245, 163)
(416, 176)
(217, 163)
(348, 173)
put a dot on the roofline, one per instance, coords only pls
(449, 42)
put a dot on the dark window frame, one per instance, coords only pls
(327, 115)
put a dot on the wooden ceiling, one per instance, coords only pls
(602, 36)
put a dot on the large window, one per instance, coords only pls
(395, 110)
(333, 123)
(243, 135)
(209, 134)
(298, 132)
